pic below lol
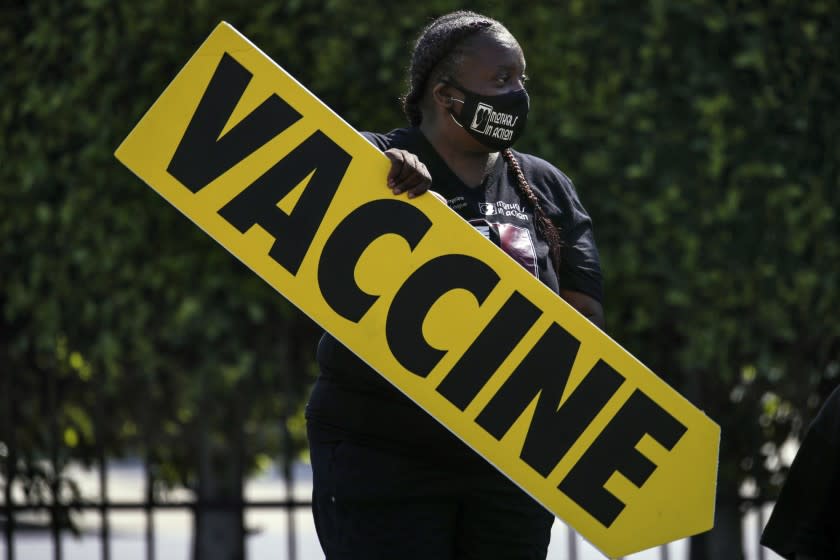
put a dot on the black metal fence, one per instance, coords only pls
(52, 500)
(56, 507)
(58, 511)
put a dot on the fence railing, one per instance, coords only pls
(102, 509)
(56, 508)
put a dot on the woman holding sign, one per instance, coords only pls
(389, 481)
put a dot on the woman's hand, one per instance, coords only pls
(407, 173)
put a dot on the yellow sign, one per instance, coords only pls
(282, 182)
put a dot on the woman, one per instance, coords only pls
(379, 493)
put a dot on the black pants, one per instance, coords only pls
(371, 503)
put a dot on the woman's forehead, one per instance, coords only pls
(493, 50)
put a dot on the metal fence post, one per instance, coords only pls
(149, 507)
(288, 480)
(55, 487)
(572, 545)
(760, 527)
(104, 529)
(11, 463)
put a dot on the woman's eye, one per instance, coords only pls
(503, 79)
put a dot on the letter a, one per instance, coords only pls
(202, 156)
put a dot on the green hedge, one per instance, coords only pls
(702, 136)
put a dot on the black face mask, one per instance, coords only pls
(494, 120)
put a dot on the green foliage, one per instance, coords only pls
(702, 136)
(121, 321)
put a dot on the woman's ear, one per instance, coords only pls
(441, 94)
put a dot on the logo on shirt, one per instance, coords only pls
(457, 203)
(514, 240)
(501, 208)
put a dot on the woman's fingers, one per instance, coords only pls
(398, 168)
(407, 173)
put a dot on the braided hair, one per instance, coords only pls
(545, 226)
(438, 51)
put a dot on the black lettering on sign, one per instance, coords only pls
(404, 326)
(489, 350)
(348, 241)
(293, 233)
(615, 451)
(543, 374)
(202, 155)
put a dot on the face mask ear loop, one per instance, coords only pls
(451, 116)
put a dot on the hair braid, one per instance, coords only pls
(436, 48)
(545, 227)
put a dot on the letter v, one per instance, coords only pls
(202, 155)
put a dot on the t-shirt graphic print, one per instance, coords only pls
(514, 240)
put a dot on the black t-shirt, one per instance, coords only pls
(352, 398)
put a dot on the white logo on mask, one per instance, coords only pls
(482, 117)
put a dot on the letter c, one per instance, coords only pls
(404, 326)
(348, 241)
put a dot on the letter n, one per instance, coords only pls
(543, 375)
